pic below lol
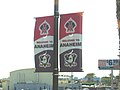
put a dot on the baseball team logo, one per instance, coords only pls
(44, 28)
(70, 59)
(70, 26)
(44, 60)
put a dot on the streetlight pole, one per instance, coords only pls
(55, 48)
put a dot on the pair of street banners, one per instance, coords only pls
(70, 43)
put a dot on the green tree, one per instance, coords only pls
(90, 77)
(106, 81)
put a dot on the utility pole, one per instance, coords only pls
(55, 48)
(118, 19)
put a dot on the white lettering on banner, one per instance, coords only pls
(70, 44)
(44, 46)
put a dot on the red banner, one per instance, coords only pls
(43, 44)
(71, 42)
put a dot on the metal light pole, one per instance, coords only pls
(55, 61)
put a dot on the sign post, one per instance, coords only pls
(109, 64)
(112, 88)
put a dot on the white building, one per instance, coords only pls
(28, 76)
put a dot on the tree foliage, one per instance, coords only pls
(106, 81)
(90, 77)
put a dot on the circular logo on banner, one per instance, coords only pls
(44, 60)
(70, 59)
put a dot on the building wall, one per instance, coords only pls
(32, 86)
(5, 85)
(29, 76)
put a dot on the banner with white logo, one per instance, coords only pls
(43, 44)
(71, 42)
